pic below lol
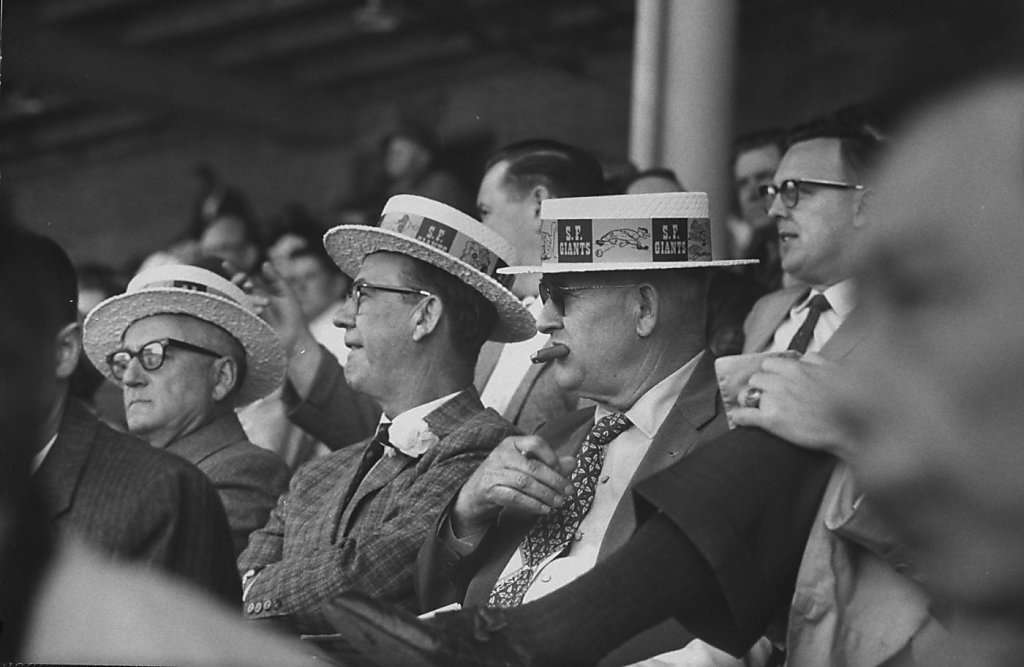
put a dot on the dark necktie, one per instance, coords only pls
(374, 450)
(805, 333)
(553, 532)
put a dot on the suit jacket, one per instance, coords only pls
(248, 478)
(137, 503)
(537, 400)
(332, 533)
(443, 576)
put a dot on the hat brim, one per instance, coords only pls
(589, 267)
(349, 244)
(265, 359)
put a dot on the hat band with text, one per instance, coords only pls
(189, 285)
(446, 239)
(626, 240)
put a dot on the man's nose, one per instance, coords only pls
(134, 373)
(549, 319)
(777, 209)
(345, 316)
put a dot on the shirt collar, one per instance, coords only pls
(650, 410)
(409, 433)
(841, 297)
(37, 460)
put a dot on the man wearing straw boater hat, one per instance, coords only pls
(624, 288)
(426, 295)
(188, 349)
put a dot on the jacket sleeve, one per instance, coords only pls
(378, 561)
(249, 485)
(333, 413)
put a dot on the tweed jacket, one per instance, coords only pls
(330, 534)
(443, 576)
(333, 412)
(137, 503)
(248, 478)
(537, 400)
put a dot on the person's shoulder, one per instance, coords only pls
(481, 431)
(140, 462)
(244, 455)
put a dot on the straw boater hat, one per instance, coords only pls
(190, 290)
(669, 230)
(446, 238)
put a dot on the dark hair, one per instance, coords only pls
(757, 139)
(860, 142)
(100, 277)
(654, 172)
(566, 171)
(40, 267)
(471, 317)
(319, 253)
(296, 220)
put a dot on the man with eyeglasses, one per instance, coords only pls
(108, 489)
(426, 296)
(624, 287)
(187, 350)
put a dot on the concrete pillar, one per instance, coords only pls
(681, 113)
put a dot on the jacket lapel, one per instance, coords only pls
(849, 334)
(63, 467)
(775, 312)
(485, 363)
(681, 432)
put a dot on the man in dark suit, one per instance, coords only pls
(116, 492)
(633, 322)
(517, 178)
(424, 299)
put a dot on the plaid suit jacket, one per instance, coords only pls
(137, 503)
(316, 545)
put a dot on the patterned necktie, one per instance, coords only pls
(818, 305)
(553, 532)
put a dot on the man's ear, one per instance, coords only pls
(538, 194)
(647, 309)
(69, 349)
(426, 317)
(226, 377)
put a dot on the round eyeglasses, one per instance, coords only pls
(151, 355)
(360, 286)
(789, 190)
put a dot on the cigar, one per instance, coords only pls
(549, 352)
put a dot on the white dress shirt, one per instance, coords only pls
(513, 363)
(621, 460)
(840, 296)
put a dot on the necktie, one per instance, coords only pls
(805, 333)
(553, 532)
(374, 450)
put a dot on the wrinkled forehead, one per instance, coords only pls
(819, 158)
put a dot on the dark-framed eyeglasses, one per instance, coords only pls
(789, 190)
(151, 355)
(359, 287)
(556, 294)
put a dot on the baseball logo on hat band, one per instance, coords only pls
(625, 232)
(444, 237)
(447, 239)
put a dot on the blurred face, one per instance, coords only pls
(403, 156)
(225, 239)
(178, 397)
(316, 288)
(380, 335)
(516, 218)
(597, 326)
(280, 252)
(815, 237)
(754, 168)
(939, 405)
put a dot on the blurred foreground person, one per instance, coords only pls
(424, 299)
(937, 418)
(187, 349)
(65, 603)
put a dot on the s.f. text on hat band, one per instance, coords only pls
(630, 240)
(445, 238)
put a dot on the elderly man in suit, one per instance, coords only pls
(187, 350)
(624, 285)
(110, 489)
(517, 179)
(426, 295)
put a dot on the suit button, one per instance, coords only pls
(267, 605)
(249, 608)
(259, 607)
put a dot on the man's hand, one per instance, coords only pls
(523, 474)
(794, 403)
(274, 300)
